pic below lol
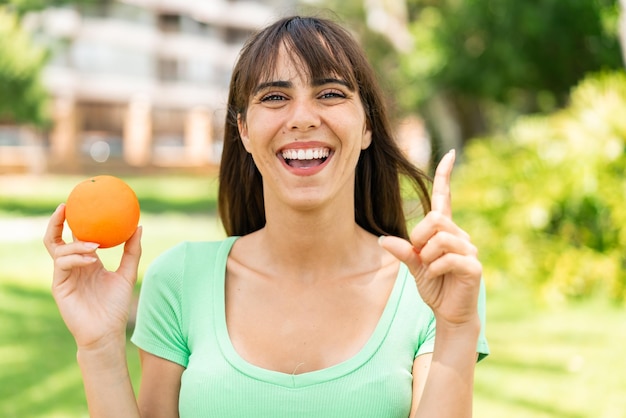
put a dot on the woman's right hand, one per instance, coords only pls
(93, 302)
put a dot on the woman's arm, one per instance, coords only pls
(447, 273)
(106, 380)
(443, 382)
(94, 304)
(160, 386)
(109, 390)
(421, 367)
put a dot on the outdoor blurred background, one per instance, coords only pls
(532, 94)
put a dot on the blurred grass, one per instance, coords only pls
(551, 361)
(547, 361)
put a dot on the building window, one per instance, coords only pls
(169, 23)
(102, 116)
(98, 8)
(236, 36)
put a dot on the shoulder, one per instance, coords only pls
(179, 274)
(189, 251)
(185, 258)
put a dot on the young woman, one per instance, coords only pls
(320, 303)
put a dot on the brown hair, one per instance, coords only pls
(323, 48)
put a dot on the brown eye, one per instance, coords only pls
(272, 97)
(332, 94)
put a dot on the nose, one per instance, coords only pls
(304, 115)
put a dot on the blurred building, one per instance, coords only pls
(138, 83)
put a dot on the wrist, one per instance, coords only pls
(462, 336)
(472, 323)
(108, 386)
(104, 354)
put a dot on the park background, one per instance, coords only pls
(531, 94)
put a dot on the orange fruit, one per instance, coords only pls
(102, 209)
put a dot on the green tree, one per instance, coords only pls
(23, 99)
(22, 96)
(480, 60)
(21, 7)
(545, 201)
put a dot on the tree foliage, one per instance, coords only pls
(20, 7)
(22, 96)
(545, 201)
(525, 55)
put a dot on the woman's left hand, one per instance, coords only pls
(441, 257)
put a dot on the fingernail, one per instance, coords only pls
(91, 245)
(381, 239)
(59, 207)
(89, 259)
(452, 151)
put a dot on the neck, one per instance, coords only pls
(315, 243)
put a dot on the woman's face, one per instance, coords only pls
(305, 136)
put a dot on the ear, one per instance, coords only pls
(367, 137)
(243, 132)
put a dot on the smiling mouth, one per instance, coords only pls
(305, 158)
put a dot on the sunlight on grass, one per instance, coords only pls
(49, 387)
(551, 362)
(38, 361)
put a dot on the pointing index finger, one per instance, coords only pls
(441, 199)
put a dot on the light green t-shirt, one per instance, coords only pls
(181, 317)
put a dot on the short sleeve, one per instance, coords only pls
(427, 337)
(159, 328)
(483, 347)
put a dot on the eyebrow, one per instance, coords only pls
(268, 84)
(288, 84)
(322, 81)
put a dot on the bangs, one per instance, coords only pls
(317, 50)
(314, 53)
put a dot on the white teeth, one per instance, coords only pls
(308, 154)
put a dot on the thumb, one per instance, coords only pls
(403, 251)
(130, 259)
